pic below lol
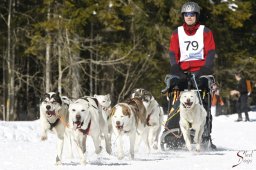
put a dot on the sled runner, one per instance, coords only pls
(172, 136)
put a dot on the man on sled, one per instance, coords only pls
(192, 52)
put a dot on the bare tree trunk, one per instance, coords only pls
(4, 87)
(75, 71)
(47, 59)
(9, 64)
(27, 88)
(91, 65)
(59, 59)
(59, 70)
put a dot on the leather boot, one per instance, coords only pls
(246, 117)
(239, 117)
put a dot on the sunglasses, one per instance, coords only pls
(190, 14)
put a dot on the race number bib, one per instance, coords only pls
(191, 47)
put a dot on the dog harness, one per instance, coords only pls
(52, 125)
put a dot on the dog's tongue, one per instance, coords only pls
(119, 127)
(50, 112)
(77, 123)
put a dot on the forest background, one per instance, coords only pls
(86, 47)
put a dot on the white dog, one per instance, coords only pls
(85, 119)
(192, 115)
(128, 118)
(104, 103)
(154, 116)
(54, 117)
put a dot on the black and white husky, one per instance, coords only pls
(54, 118)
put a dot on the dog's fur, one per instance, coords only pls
(154, 116)
(192, 115)
(86, 119)
(53, 111)
(128, 118)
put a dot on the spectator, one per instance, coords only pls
(242, 93)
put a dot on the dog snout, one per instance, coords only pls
(118, 123)
(188, 100)
(48, 107)
(78, 117)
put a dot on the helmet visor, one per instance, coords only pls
(189, 14)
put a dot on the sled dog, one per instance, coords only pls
(54, 117)
(104, 106)
(85, 119)
(128, 118)
(192, 115)
(154, 116)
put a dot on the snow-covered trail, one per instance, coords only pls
(21, 149)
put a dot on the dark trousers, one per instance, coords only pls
(243, 106)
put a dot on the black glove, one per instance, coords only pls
(176, 70)
(203, 71)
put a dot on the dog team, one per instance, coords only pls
(139, 118)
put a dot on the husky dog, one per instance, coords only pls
(86, 119)
(192, 115)
(104, 102)
(154, 116)
(54, 117)
(128, 118)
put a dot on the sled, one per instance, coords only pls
(171, 138)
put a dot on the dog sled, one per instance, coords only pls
(171, 138)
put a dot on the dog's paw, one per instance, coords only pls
(97, 151)
(198, 147)
(132, 156)
(58, 163)
(83, 162)
(189, 147)
(43, 138)
(109, 151)
(155, 146)
(120, 156)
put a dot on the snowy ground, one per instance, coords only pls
(21, 149)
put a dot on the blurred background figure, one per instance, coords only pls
(242, 93)
(216, 99)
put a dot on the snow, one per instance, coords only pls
(21, 149)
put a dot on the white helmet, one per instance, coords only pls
(190, 7)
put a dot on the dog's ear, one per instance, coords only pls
(126, 111)
(181, 93)
(44, 96)
(57, 98)
(108, 96)
(113, 110)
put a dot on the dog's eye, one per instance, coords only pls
(83, 110)
(122, 116)
(103, 101)
(73, 110)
